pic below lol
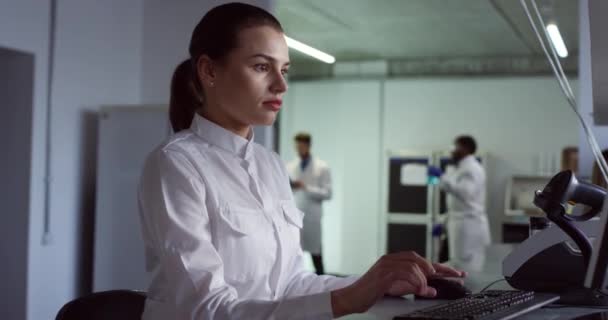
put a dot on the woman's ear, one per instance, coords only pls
(205, 70)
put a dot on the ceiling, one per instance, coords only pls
(471, 30)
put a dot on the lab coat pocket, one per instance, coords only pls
(240, 221)
(244, 244)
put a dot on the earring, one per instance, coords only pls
(212, 83)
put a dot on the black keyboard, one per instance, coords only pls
(489, 305)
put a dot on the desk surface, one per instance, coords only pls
(388, 308)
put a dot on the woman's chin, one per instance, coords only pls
(267, 119)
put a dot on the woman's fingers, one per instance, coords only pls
(405, 273)
(417, 287)
(421, 277)
(408, 272)
(457, 280)
(430, 292)
(395, 274)
(411, 256)
(447, 271)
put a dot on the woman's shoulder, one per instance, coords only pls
(184, 141)
(182, 144)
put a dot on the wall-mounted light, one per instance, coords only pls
(557, 41)
(308, 50)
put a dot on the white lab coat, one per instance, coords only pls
(221, 232)
(467, 224)
(317, 179)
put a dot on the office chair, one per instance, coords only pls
(106, 305)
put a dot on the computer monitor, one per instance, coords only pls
(595, 277)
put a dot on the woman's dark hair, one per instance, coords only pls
(214, 36)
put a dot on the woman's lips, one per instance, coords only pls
(274, 105)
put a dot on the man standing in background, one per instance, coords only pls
(311, 184)
(467, 222)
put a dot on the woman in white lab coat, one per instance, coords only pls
(219, 222)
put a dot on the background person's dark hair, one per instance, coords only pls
(303, 137)
(214, 36)
(468, 143)
(569, 159)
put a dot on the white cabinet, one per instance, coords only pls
(126, 136)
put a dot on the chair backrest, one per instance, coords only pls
(106, 305)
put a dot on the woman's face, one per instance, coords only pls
(249, 83)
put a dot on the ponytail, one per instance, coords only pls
(185, 98)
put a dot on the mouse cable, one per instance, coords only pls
(491, 284)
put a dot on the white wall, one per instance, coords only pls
(31, 18)
(354, 122)
(96, 62)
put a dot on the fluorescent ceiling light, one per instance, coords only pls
(556, 40)
(306, 49)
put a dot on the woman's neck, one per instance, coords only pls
(226, 122)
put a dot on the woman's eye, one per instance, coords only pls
(261, 67)
(284, 72)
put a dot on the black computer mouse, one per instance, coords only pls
(446, 289)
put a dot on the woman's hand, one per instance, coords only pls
(394, 274)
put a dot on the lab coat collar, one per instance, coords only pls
(222, 138)
(467, 160)
(306, 163)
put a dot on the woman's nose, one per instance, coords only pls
(279, 85)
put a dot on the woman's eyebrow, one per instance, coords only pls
(267, 57)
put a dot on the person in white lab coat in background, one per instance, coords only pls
(467, 222)
(311, 183)
(219, 223)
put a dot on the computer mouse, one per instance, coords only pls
(446, 289)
